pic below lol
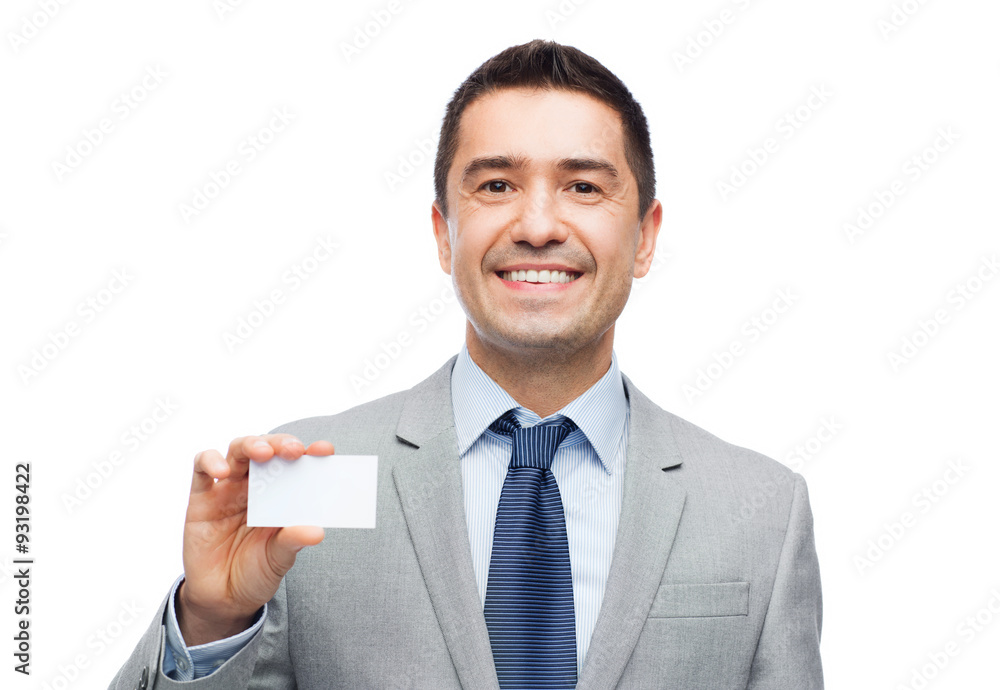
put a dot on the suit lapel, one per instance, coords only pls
(651, 509)
(429, 483)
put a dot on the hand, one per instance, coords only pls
(231, 570)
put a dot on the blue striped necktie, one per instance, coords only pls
(529, 594)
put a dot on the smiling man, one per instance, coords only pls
(541, 523)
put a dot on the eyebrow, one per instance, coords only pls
(585, 164)
(477, 165)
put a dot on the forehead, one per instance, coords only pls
(541, 125)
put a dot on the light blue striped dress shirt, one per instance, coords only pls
(589, 468)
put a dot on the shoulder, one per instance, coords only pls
(695, 445)
(377, 417)
(425, 405)
(714, 472)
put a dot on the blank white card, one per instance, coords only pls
(324, 490)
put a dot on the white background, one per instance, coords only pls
(721, 262)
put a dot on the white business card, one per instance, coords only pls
(324, 490)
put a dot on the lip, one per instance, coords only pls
(538, 267)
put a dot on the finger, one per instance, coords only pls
(209, 465)
(260, 449)
(256, 448)
(286, 446)
(249, 448)
(320, 448)
(300, 536)
(266, 446)
(287, 542)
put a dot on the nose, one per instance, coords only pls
(538, 221)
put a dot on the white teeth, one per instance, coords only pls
(542, 276)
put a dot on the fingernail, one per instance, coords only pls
(261, 445)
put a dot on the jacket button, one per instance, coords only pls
(143, 679)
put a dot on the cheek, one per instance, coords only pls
(467, 252)
(611, 250)
(478, 232)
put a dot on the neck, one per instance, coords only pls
(543, 380)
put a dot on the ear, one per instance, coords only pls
(441, 237)
(648, 231)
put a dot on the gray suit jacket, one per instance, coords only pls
(714, 584)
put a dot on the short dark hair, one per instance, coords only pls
(550, 65)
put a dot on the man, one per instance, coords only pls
(632, 563)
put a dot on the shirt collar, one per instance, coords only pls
(599, 412)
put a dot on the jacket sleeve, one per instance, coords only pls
(787, 655)
(263, 664)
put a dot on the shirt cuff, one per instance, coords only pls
(181, 662)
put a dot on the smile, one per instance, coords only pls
(542, 276)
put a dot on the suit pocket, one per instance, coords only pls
(701, 601)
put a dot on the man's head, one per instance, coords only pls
(548, 65)
(542, 232)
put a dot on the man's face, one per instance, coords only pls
(542, 235)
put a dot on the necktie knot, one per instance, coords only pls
(534, 446)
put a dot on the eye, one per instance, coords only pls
(496, 187)
(585, 188)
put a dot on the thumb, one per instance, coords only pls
(287, 543)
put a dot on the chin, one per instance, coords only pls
(544, 340)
